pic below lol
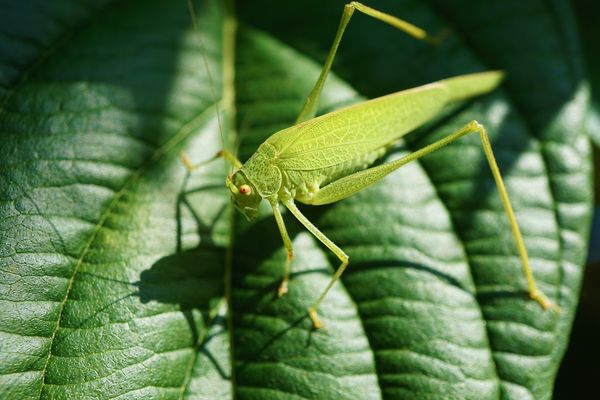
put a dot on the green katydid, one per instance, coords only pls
(324, 159)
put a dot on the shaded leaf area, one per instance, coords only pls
(33, 29)
(589, 31)
(110, 279)
(578, 370)
(433, 269)
(112, 257)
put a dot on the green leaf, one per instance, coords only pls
(115, 264)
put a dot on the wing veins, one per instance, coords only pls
(333, 146)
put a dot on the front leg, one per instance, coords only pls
(226, 154)
(283, 287)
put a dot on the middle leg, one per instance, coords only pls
(312, 312)
(283, 287)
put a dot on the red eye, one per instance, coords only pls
(245, 189)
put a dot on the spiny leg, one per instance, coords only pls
(283, 287)
(534, 292)
(312, 312)
(310, 106)
(353, 183)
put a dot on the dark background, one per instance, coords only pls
(579, 372)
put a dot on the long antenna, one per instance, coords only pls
(211, 82)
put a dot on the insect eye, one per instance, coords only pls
(245, 189)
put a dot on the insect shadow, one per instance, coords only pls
(180, 278)
(190, 278)
(259, 252)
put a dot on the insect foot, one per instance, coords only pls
(187, 163)
(283, 288)
(317, 324)
(543, 301)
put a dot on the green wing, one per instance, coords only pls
(353, 132)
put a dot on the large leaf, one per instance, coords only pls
(115, 263)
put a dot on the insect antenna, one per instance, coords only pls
(211, 82)
(228, 101)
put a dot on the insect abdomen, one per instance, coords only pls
(303, 185)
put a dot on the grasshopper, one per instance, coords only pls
(324, 159)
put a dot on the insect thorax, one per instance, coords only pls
(261, 172)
